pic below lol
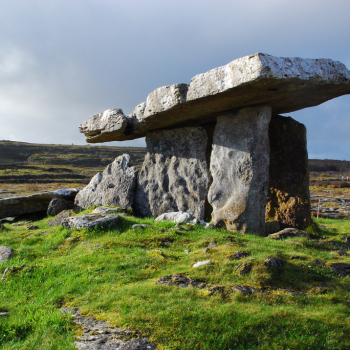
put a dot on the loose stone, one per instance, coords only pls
(202, 263)
(6, 253)
(239, 255)
(141, 226)
(32, 227)
(289, 232)
(276, 263)
(90, 221)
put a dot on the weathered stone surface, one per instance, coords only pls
(14, 206)
(180, 280)
(99, 335)
(6, 253)
(202, 263)
(276, 263)
(288, 200)
(239, 255)
(115, 186)
(239, 168)
(57, 205)
(141, 226)
(60, 217)
(110, 122)
(285, 84)
(244, 268)
(289, 232)
(341, 269)
(90, 221)
(109, 210)
(174, 175)
(180, 217)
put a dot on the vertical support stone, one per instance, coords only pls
(239, 167)
(288, 197)
(174, 175)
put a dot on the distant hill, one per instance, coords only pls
(81, 156)
(342, 167)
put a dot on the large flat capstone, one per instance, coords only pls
(284, 84)
(174, 175)
(239, 166)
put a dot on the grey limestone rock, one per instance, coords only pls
(180, 217)
(57, 205)
(286, 84)
(342, 269)
(90, 221)
(14, 206)
(239, 167)
(109, 210)
(60, 217)
(115, 186)
(239, 255)
(202, 263)
(6, 253)
(289, 232)
(174, 175)
(276, 263)
(140, 226)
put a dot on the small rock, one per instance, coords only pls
(217, 289)
(42, 234)
(202, 263)
(297, 257)
(180, 280)
(32, 227)
(90, 221)
(60, 217)
(289, 232)
(212, 245)
(97, 246)
(86, 243)
(187, 251)
(239, 255)
(179, 217)
(6, 253)
(245, 290)
(244, 268)
(276, 263)
(22, 223)
(3, 314)
(7, 219)
(341, 269)
(141, 226)
(318, 262)
(110, 210)
(73, 239)
(57, 205)
(340, 253)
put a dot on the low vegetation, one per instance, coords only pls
(113, 278)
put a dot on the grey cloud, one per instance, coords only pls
(61, 62)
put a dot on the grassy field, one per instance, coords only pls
(116, 283)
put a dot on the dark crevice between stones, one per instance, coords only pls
(209, 128)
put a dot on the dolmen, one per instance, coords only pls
(218, 148)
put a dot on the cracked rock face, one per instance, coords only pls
(115, 186)
(90, 221)
(239, 167)
(285, 84)
(174, 175)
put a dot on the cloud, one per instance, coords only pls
(61, 62)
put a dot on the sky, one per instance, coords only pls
(63, 61)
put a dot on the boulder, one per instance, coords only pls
(275, 263)
(285, 84)
(60, 217)
(239, 168)
(174, 175)
(57, 205)
(6, 253)
(90, 221)
(288, 200)
(180, 217)
(115, 186)
(39, 202)
(289, 232)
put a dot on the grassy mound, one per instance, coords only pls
(111, 275)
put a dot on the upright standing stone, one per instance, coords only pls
(115, 186)
(175, 175)
(239, 167)
(288, 198)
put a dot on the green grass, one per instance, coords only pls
(116, 283)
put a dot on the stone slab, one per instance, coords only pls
(174, 175)
(288, 200)
(285, 84)
(239, 167)
(14, 206)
